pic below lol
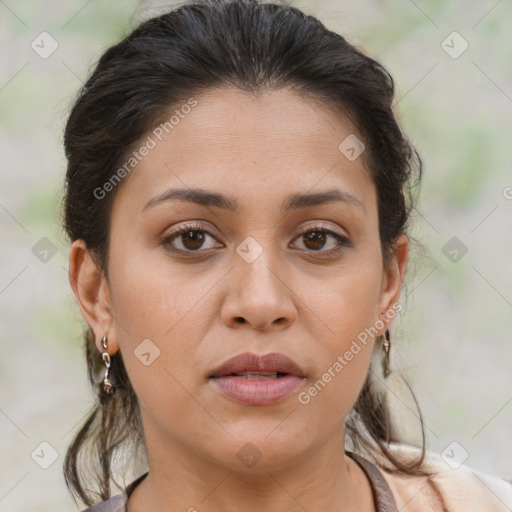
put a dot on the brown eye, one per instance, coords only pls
(317, 239)
(192, 240)
(188, 239)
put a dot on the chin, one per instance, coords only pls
(260, 448)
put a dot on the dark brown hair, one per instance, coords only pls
(254, 47)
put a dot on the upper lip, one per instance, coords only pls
(254, 363)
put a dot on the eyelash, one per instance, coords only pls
(342, 241)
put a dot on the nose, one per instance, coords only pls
(260, 296)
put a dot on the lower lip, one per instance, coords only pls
(257, 392)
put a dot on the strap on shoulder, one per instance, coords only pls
(382, 495)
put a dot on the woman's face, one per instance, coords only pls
(259, 273)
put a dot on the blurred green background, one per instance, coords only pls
(453, 340)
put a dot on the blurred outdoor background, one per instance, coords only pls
(452, 63)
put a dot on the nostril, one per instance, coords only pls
(240, 320)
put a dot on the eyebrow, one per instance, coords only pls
(293, 202)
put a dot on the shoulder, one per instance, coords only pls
(454, 489)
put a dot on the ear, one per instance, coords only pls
(90, 287)
(392, 281)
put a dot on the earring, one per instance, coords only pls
(386, 348)
(107, 385)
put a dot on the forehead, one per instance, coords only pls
(272, 121)
(263, 146)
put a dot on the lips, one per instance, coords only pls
(252, 366)
(255, 380)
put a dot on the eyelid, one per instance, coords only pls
(191, 225)
(342, 241)
(182, 229)
(322, 227)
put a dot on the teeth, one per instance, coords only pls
(259, 376)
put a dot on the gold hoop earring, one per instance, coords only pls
(107, 385)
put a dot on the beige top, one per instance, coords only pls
(459, 489)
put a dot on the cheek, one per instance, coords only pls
(154, 299)
(159, 323)
(345, 313)
(342, 362)
(160, 319)
(328, 399)
(346, 303)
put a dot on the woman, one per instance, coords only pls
(237, 197)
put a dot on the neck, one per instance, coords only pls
(180, 480)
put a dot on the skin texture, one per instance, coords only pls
(257, 150)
